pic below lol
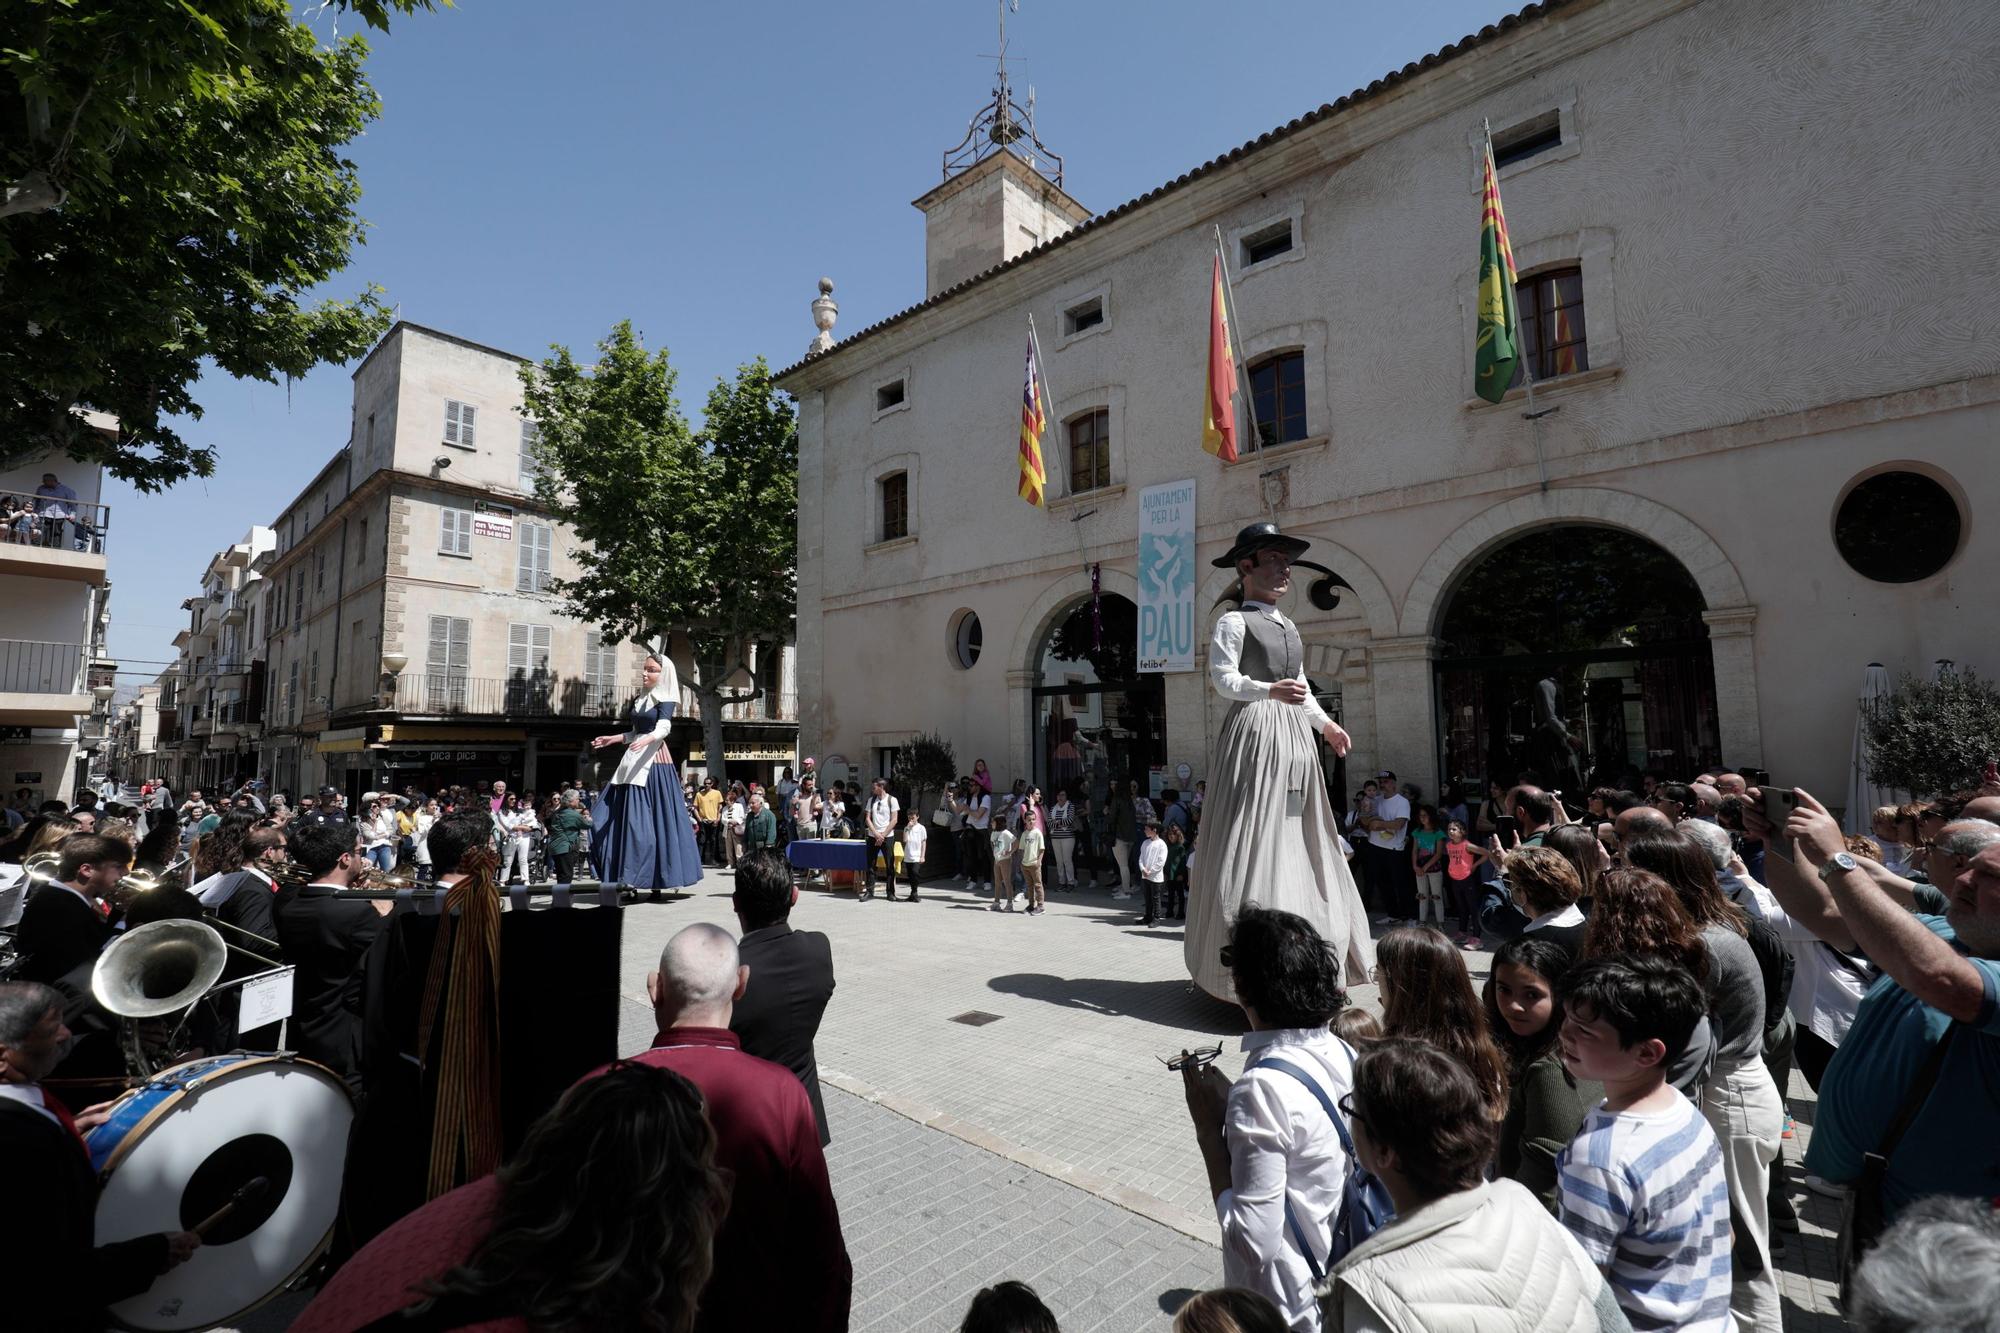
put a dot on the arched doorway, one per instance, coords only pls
(1576, 654)
(1097, 719)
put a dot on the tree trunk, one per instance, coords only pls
(709, 700)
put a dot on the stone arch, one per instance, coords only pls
(1713, 572)
(1373, 595)
(1053, 603)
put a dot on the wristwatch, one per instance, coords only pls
(1837, 862)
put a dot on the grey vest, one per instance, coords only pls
(1271, 649)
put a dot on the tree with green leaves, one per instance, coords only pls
(682, 532)
(171, 189)
(1933, 737)
(924, 764)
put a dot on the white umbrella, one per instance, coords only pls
(1863, 795)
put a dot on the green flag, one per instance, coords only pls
(1499, 327)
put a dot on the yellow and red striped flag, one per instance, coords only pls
(1034, 421)
(1218, 422)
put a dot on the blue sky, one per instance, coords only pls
(542, 170)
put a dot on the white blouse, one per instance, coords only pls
(1225, 656)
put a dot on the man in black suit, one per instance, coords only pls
(247, 899)
(59, 1278)
(64, 921)
(327, 939)
(791, 975)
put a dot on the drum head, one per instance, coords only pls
(246, 1117)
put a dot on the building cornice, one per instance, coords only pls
(1495, 58)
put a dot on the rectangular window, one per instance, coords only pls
(361, 547)
(1278, 397)
(531, 435)
(312, 686)
(319, 569)
(299, 594)
(448, 664)
(1551, 306)
(458, 422)
(371, 435)
(600, 675)
(535, 547)
(455, 532)
(1519, 142)
(292, 692)
(889, 395)
(529, 683)
(1268, 243)
(1088, 315)
(1090, 451)
(895, 490)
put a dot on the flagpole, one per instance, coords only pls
(1048, 391)
(1235, 346)
(1531, 416)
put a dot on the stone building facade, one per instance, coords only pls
(1758, 243)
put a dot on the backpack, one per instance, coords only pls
(1365, 1206)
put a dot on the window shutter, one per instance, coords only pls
(524, 568)
(448, 531)
(438, 662)
(544, 551)
(530, 434)
(458, 423)
(517, 648)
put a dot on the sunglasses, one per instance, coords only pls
(1228, 956)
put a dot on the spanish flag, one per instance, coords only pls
(1499, 322)
(1218, 422)
(1034, 420)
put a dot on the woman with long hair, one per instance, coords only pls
(1739, 1099)
(218, 853)
(1637, 912)
(161, 846)
(1584, 850)
(1427, 995)
(641, 835)
(604, 1219)
(1545, 1102)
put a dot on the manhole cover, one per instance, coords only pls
(976, 1018)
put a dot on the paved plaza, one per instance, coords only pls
(1063, 1117)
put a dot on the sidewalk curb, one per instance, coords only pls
(1148, 1206)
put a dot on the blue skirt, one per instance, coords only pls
(641, 837)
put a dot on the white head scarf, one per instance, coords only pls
(668, 691)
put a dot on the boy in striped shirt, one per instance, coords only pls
(1641, 1186)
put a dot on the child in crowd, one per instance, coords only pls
(1355, 1026)
(1641, 1186)
(1545, 1103)
(1029, 845)
(1461, 878)
(915, 838)
(1427, 861)
(1177, 858)
(1152, 869)
(1001, 840)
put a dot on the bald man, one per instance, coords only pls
(1630, 821)
(780, 1262)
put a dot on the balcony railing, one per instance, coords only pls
(29, 667)
(767, 707)
(55, 524)
(518, 696)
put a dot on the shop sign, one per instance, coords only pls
(1166, 577)
(502, 528)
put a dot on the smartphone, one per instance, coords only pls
(1507, 828)
(1779, 802)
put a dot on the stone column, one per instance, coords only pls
(1405, 709)
(1187, 694)
(1020, 726)
(1732, 644)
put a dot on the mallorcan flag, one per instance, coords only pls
(1218, 421)
(1034, 420)
(1499, 327)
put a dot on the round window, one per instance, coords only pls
(1897, 527)
(966, 638)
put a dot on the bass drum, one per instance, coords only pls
(177, 1150)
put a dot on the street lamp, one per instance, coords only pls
(392, 670)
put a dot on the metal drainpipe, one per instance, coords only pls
(339, 609)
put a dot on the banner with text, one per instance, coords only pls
(1166, 577)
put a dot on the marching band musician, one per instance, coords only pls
(62, 1279)
(246, 898)
(64, 922)
(327, 939)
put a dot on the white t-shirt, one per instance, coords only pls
(1392, 807)
(882, 812)
(914, 838)
(979, 811)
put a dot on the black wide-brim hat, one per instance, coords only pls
(1258, 537)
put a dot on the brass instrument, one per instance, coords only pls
(145, 881)
(382, 882)
(152, 971)
(42, 868)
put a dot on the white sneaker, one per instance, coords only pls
(1826, 1188)
(1010, 904)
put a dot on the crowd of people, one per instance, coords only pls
(1595, 1136)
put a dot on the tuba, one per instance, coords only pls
(150, 972)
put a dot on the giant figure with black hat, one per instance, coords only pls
(1268, 837)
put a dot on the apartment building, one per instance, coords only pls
(221, 668)
(55, 678)
(410, 633)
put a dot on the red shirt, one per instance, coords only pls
(780, 1262)
(428, 1243)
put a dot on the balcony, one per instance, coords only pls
(767, 707)
(416, 694)
(41, 684)
(235, 607)
(45, 537)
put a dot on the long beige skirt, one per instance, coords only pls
(1268, 840)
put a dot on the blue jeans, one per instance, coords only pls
(384, 858)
